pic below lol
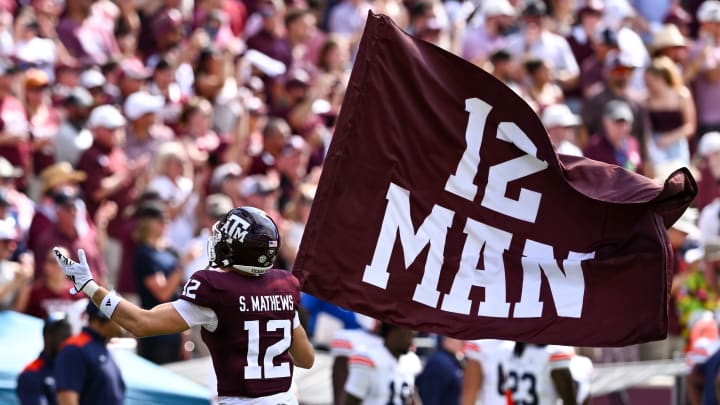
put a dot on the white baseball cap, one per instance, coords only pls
(709, 143)
(106, 116)
(709, 11)
(141, 103)
(559, 115)
(498, 7)
(92, 78)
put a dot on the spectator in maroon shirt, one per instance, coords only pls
(59, 175)
(271, 39)
(65, 233)
(592, 68)
(51, 292)
(615, 144)
(275, 136)
(110, 175)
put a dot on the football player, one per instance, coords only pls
(344, 344)
(382, 374)
(247, 309)
(540, 375)
(483, 375)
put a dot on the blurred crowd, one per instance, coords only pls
(128, 127)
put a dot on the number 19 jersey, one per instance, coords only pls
(378, 378)
(248, 328)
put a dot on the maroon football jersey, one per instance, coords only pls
(255, 315)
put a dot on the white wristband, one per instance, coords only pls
(109, 303)
(90, 288)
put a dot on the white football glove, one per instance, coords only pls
(79, 273)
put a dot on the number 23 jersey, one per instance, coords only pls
(247, 326)
(528, 376)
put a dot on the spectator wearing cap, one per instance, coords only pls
(36, 383)
(706, 56)
(561, 124)
(58, 176)
(174, 182)
(145, 132)
(619, 69)
(671, 111)
(225, 179)
(50, 293)
(535, 40)
(111, 176)
(44, 119)
(593, 67)
(275, 136)
(14, 127)
(708, 167)
(85, 371)
(159, 275)
(615, 144)
(86, 34)
(94, 81)
(73, 137)
(479, 42)
(15, 276)
(64, 232)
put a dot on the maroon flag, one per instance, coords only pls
(443, 207)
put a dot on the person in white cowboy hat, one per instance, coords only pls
(669, 41)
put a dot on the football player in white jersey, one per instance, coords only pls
(344, 344)
(483, 375)
(540, 375)
(377, 375)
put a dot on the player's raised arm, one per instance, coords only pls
(160, 320)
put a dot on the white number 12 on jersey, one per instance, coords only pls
(253, 370)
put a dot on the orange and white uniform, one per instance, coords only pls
(492, 354)
(378, 378)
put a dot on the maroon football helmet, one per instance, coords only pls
(246, 239)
